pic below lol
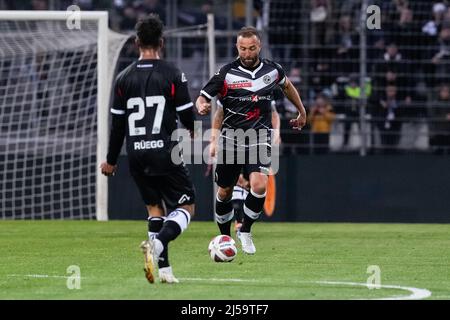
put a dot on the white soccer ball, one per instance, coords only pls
(222, 249)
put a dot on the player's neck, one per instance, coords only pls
(149, 54)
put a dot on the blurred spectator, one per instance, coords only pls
(347, 44)
(432, 27)
(388, 112)
(440, 121)
(321, 77)
(391, 69)
(404, 34)
(321, 117)
(351, 104)
(441, 55)
(320, 18)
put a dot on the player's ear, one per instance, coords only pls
(137, 42)
(161, 43)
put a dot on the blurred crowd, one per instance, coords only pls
(407, 84)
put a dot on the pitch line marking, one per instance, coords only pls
(37, 276)
(416, 293)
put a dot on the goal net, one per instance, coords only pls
(55, 85)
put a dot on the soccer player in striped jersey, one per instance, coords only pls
(245, 87)
(149, 96)
(242, 187)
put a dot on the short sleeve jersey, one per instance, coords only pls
(245, 94)
(149, 93)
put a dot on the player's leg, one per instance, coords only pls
(226, 178)
(239, 194)
(156, 217)
(152, 198)
(257, 167)
(179, 196)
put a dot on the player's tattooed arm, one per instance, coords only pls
(292, 94)
(215, 131)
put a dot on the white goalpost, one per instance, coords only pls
(55, 83)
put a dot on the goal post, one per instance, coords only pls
(58, 65)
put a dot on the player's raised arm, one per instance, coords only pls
(292, 94)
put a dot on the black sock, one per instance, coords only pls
(252, 208)
(155, 224)
(238, 207)
(170, 231)
(224, 215)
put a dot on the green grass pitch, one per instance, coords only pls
(293, 261)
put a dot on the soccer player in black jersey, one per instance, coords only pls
(245, 89)
(149, 95)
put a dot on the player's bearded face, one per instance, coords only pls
(248, 49)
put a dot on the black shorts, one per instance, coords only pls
(175, 189)
(227, 174)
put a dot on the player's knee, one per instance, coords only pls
(224, 194)
(259, 186)
(155, 211)
(189, 208)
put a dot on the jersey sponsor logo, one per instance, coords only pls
(184, 198)
(239, 84)
(256, 98)
(267, 79)
(144, 145)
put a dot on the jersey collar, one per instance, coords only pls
(250, 72)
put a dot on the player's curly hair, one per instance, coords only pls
(149, 31)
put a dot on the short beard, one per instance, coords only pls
(252, 63)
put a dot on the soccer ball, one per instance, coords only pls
(222, 249)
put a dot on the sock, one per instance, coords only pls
(224, 215)
(154, 226)
(253, 206)
(176, 222)
(238, 206)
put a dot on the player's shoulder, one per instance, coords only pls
(167, 66)
(227, 67)
(122, 75)
(273, 64)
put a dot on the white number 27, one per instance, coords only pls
(160, 102)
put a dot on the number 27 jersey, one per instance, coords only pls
(149, 94)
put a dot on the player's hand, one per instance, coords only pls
(298, 123)
(203, 106)
(212, 149)
(108, 169)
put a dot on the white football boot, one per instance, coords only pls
(247, 242)
(166, 275)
